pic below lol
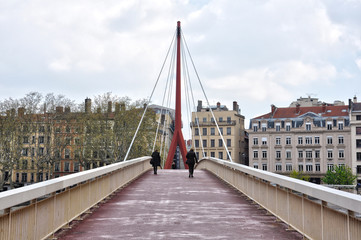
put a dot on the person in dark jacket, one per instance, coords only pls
(155, 160)
(191, 161)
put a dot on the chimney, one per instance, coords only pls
(218, 105)
(297, 108)
(88, 105)
(110, 106)
(21, 111)
(67, 109)
(199, 107)
(59, 109)
(323, 107)
(355, 99)
(117, 107)
(273, 109)
(235, 106)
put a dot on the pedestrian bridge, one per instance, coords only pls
(223, 201)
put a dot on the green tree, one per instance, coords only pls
(299, 175)
(339, 175)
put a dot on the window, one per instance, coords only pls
(229, 154)
(309, 168)
(204, 143)
(264, 154)
(24, 177)
(300, 154)
(221, 119)
(288, 127)
(213, 154)
(308, 126)
(56, 167)
(300, 140)
(220, 143)
(288, 167)
(213, 132)
(340, 140)
(25, 139)
(229, 142)
(41, 139)
(330, 167)
(264, 141)
(67, 153)
(300, 167)
(329, 153)
(229, 131)
(340, 125)
(33, 140)
(358, 169)
(317, 167)
(220, 155)
(221, 130)
(196, 143)
(288, 154)
(264, 167)
(329, 140)
(341, 165)
(341, 153)
(358, 156)
(264, 127)
(255, 128)
(278, 140)
(41, 129)
(25, 164)
(229, 119)
(329, 125)
(76, 167)
(308, 154)
(317, 140)
(66, 166)
(255, 165)
(41, 151)
(204, 119)
(213, 143)
(278, 154)
(278, 167)
(255, 141)
(24, 152)
(196, 132)
(204, 131)
(196, 120)
(255, 154)
(358, 117)
(212, 120)
(358, 130)
(358, 143)
(288, 140)
(317, 154)
(308, 140)
(278, 127)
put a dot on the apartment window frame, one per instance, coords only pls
(278, 140)
(255, 141)
(300, 140)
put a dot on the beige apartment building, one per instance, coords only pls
(310, 138)
(355, 123)
(207, 140)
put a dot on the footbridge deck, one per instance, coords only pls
(170, 205)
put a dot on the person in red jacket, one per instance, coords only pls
(191, 161)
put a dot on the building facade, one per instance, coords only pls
(310, 139)
(355, 123)
(207, 139)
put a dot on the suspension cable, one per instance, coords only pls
(204, 93)
(151, 95)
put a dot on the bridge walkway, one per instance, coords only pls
(170, 205)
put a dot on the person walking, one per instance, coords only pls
(191, 161)
(155, 160)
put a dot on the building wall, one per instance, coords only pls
(355, 123)
(207, 132)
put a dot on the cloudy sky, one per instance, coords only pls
(255, 52)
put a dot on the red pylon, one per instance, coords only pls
(177, 139)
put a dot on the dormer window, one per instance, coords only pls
(340, 125)
(264, 127)
(329, 125)
(278, 127)
(288, 127)
(308, 126)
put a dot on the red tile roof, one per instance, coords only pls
(294, 112)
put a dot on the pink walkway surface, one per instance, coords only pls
(172, 206)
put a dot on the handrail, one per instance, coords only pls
(342, 199)
(27, 193)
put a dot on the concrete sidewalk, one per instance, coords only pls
(172, 206)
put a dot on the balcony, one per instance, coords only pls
(206, 124)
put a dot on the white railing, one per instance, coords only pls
(53, 204)
(316, 211)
